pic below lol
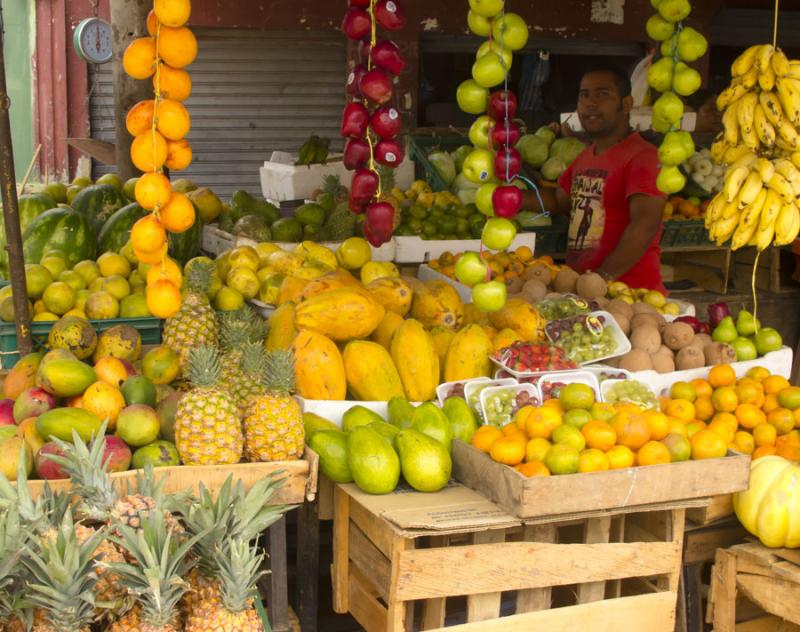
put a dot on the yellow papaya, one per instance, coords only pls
(372, 270)
(504, 338)
(437, 303)
(386, 328)
(522, 317)
(330, 281)
(393, 293)
(282, 329)
(291, 287)
(468, 355)
(370, 372)
(318, 367)
(474, 316)
(442, 337)
(416, 360)
(341, 314)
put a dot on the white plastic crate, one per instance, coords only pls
(412, 249)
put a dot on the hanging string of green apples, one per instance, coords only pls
(674, 78)
(372, 135)
(494, 163)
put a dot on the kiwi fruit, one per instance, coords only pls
(534, 290)
(591, 285)
(647, 338)
(643, 308)
(539, 272)
(677, 335)
(689, 358)
(565, 281)
(636, 360)
(553, 295)
(514, 286)
(718, 353)
(657, 320)
(618, 305)
(665, 350)
(663, 363)
(623, 322)
(602, 302)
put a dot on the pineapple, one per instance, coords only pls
(273, 426)
(238, 330)
(12, 538)
(195, 324)
(207, 426)
(239, 566)
(62, 582)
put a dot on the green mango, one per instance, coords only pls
(430, 420)
(331, 446)
(387, 431)
(373, 462)
(159, 453)
(314, 423)
(461, 417)
(401, 412)
(425, 462)
(358, 416)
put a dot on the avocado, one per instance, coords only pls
(287, 229)
(462, 419)
(386, 430)
(331, 446)
(313, 423)
(242, 204)
(253, 226)
(312, 232)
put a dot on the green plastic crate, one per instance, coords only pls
(149, 329)
(684, 233)
(421, 146)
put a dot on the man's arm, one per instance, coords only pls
(555, 200)
(645, 213)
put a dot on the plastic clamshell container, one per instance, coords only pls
(515, 388)
(608, 384)
(599, 370)
(571, 377)
(475, 385)
(442, 389)
(623, 344)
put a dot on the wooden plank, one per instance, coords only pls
(374, 527)
(654, 613)
(536, 598)
(614, 587)
(307, 588)
(278, 599)
(396, 617)
(369, 560)
(325, 498)
(364, 607)
(723, 585)
(701, 545)
(719, 507)
(341, 554)
(774, 595)
(675, 531)
(598, 530)
(767, 623)
(482, 607)
(521, 565)
(433, 610)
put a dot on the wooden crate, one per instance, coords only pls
(718, 508)
(621, 571)
(754, 588)
(596, 491)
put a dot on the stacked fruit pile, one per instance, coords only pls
(100, 559)
(439, 215)
(159, 127)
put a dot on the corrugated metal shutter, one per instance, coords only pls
(253, 92)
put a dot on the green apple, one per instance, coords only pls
(767, 339)
(745, 349)
(480, 131)
(486, 8)
(478, 24)
(492, 46)
(670, 180)
(471, 269)
(511, 30)
(668, 107)
(479, 166)
(498, 233)
(471, 97)
(686, 80)
(489, 296)
(659, 75)
(489, 70)
(674, 10)
(691, 45)
(483, 198)
(658, 28)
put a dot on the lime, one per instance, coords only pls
(37, 278)
(59, 297)
(577, 395)
(562, 458)
(110, 264)
(73, 279)
(577, 417)
(228, 299)
(101, 306)
(88, 269)
(244, 281)
(134, 306)
(54, 264)
(117, 286)
(44, 316)
(128, 252)
(97, 284)
(353, 253)
(80, 299)
(569, 435)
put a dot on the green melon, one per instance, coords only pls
(117, 229)
(99, 202)
(31, 205)
(62, 229)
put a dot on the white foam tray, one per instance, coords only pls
(412, 249)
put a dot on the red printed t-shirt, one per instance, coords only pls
(600, 188)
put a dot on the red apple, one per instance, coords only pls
(390, 15)
(7, 412)
(501, 100)
(357, 206)
(506, 200)
(389, 153)
(386, 54)
(386, 122)
(45, 468)
(353, 80)
(376, 86)
(364, 184)
(356, 154)
(355, 119)
(379, 223)
(356, 24)
(510, 157)
(364, 48)
(502, 136)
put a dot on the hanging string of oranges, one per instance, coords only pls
(159, 127)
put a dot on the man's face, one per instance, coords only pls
(601, 108)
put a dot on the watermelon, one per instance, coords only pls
(117, 229)
(99, 202)
(185, 245)
(63, 229)
(31, 205)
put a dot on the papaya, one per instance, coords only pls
(416, 360)
(340, 314)
(370, 372)
(282, 329)
(386, 328)
(319, 368)
(330, 281)
(505, 338)
(442, 337)
(522, 317)
(60, 422)
(474, 316)
(468, 355)
(438, 303)
(65, 378)
(290, 290)
(22, 376)
(393, 293)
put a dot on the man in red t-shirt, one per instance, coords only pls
(610, 189)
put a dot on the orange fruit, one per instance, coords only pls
(707, 444)
(724, 427)
(139, 58)
(511, 429)
(765, 434)
(149, 151)
(163, 298)
(787, 449)
(782, 419)
(750, 392)
(678, 446)
(522, 415)
(152, 190)
(152, 23)
(111, 370)
(721, 375)
(620, 457)
(554, 403)
(173, 83)
(178, 215)
(680, 409)
(658, 422)
(172, 119)
(695, 426)
(676, 426)
(602, 411)
(536, 449)
(789, 397)
(562, 459)
(523, 254)
(507, 450)
(173, 13)
(797, 418)
(773, 384)
(166, 269)
(105, 401)
(758, 373)
(541, 422)
(702, 387)
(749, 416)
(683, 390)
(599, 435)
(764, 450)
(151, 258)
(770, 403)
(593, 460)
(704, 408)
(140, 117)
(743, 442)
(725, 399)
(534, 468)
(632, 429)
(485, 436)
(179, 154)
(147, 234)
(177, 47)
(653, 453)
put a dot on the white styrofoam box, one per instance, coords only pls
(426, 273)
(777, 362)
(335, 410)
(412, 249)
(265, 309)
(641, 120)
(281, 181)
(571, 377)
(515, 388)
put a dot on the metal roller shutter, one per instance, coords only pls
(253, 92)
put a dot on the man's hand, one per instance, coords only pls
(645, 220)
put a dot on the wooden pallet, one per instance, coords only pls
(751, 575)
(719, 508)
(609, 571)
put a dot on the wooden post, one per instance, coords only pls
(128, 21)
(8, 181)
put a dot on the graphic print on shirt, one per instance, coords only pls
(588, 215)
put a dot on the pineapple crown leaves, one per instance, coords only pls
(199, 276)
(240, 327)
(253, 362)
(149, 485)
(331, 185)
(62, 577)
(252, 512)
(204, 368)
(386, 175)
(279, 372)
(239, 565)
(13, 537)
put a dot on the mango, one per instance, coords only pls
(430, 420)
(401, 412)
(358, 416)
(159, 453)
(60, 422)
(65, 378)
(13, 451)
(425, 462)
(461, 417)
(373, 463)
(331, 446)
(33, 402)
(22, 376)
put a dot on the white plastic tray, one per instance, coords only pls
(623, 344)
(474, 385)
(444, 387)
(516, 388)
(571, 377)
(599, 369)
(426, 273)
(607, 384)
